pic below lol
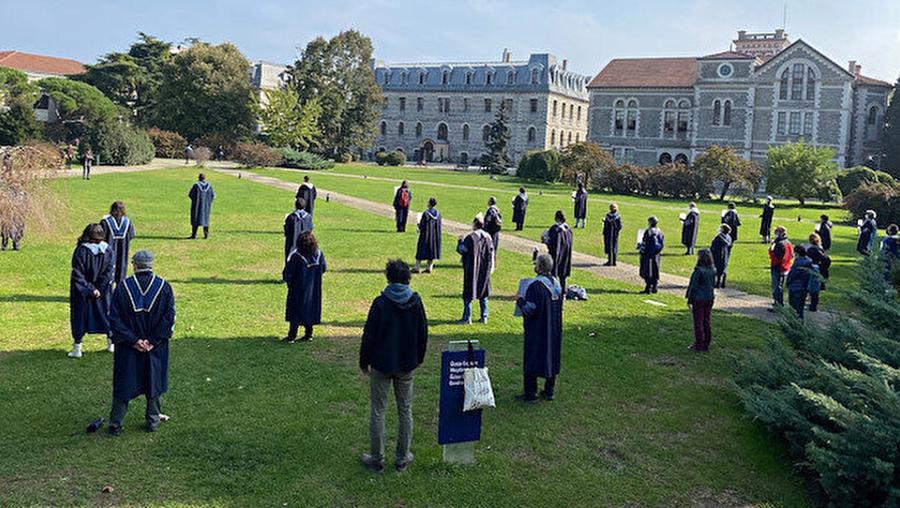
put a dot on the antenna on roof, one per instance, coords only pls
(784, 16)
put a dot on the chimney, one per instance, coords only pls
(742, 34)
(858, 69)
(507, 56)
(565, 63)
(853, 67)
(779, 33)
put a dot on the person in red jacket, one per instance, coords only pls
(781, 253)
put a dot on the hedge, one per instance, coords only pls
(303, 160)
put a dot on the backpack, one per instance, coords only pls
(404, 198)
(574, 292)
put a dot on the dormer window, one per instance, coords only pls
(510, 78)
(445, 78)
(488, 78)
(535, 76)
(468, 78)
(422, 76)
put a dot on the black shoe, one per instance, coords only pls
(404, 465)
(608, 263)
(306, 338)
(653, 290)
(546, 396)
(289, 340)
(525, 398)
(151, 427)
(372, 463)
(114, 430)
(645, 291)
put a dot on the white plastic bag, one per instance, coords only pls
(479, 393)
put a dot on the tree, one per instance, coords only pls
(337, 72)
(584, 161)
(498, 142)
(286, 122)
(17, 97)
(205, 91)
(799, 170)
(79, 108)
(722, 164)
(890, 139)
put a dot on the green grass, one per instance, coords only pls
(749, 266)
(638, 421)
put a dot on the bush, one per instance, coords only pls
(583, 162)
(850, 180)
(118, 143)
(251, 155)
(168, 144)
(303, 160)
(202, 155)
(381, 158)
(670, 180)
(540, 166)
(395, 158)
(214, 141)
(882, 197)
(347, 157)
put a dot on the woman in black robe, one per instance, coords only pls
(476, 252)
(119, 233)
(520, 206)
(303, 275)
(651, 247)
(867, 234)
(612, 225)
(690, 227)
(307, 192)
(493, 223)
(823, 228)
(90, 287)
(202, 196)
(580, 201)
(765, 224)
(542, 313)
(402, 200)
(558, 240)
(721, 253)
(731, 217)
(296, 223)
(428, 248)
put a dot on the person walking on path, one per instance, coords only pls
(188, 154)
(701, 295)
(781, 255)
(402, 200)
(394, 341)
(612, 225)
(542, 314)
(307, 192)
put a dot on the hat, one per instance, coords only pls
(143, 258)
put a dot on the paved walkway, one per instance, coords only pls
(729, 300)
(153, 165)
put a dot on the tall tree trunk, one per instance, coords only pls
(725, 187)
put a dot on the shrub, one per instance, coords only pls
(168, 144)
(214, 141)
(882, 197)
(381, 158)
(347, 157)
(801, 170)
(251, 155)
(303, 160)
(118, 143)
(202, 155)
(395, 158)
(583, 161)
(540, 166)
(850, 180)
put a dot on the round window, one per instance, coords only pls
(725, 70)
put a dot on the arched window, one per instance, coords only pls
(669, 116)
(554, 108)
(571, 110)
(553, 137)
(810, 84)
(535, 76)
(400, 129)
(465, 131)
(404, 78)
(562, 138)
(631, 115)
(665, 158)
(488, 78)
(800, 79)
(569, 138)
(442, 132)
(422, 76)
(579, 114)
(445, 78)
(383, 128)
(418, 130)
(387, 77)
(511, 78)
(717, 111)
(797, 82)
(486, 133)
(468, 78)
(563, 111)
(619, 118)
(532, 135)
(684, 120)
(726, 113)
(577, 137)
(873, 115)
(783, 87)
(681, 159)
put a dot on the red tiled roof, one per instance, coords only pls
(647, 73)
(728, 55)
(866, 80)
(39, 64)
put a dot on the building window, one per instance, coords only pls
(800, 79)
(384, 103)
(578, 118)
(465, 130)
(717, 111)
(807, 123)
(553, 137)
(511, 78)
(489, 78)
(532, 135)
(665, 159)
(669, 119)
(873, 116)
(400, 129)
(383, 128)
(569, 138)
(418, 130)
(535, 76)
(420, 103)
(486, 133)
(445, 78)
(577, 137)
(794, 123)
(571, 110)
(619, 118)
(810, 84)
(508, 104)
(797, 82)
(404, 78)
(422, 76)
(402, 103)
(725, 70)
(782, 121)
(533, 105)
(681, 159)
(562, 113)
(726, 113)
(487, 105)
(444, 105)
(387, 77)
(466, 104)
(783, 87)
(554, 109)
(468, 78)
(442, 132)
(628, 155)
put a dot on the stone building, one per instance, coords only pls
(764, 92)
(267, 76)
(38, 67)
(442, 111)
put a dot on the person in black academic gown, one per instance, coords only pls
(558, 240)
(295, 223)
(721, 252)
(820, 258)
(307, 192)
(765, 224)
(493, 223)
(303, 275)
(731, 217)
(823, 228)
(868, 233)
(402, 200)
(202, 196)
(476, 252)
(542, 313)
(520, 207)
(651, 246)
(580, 200)
(119, 233)
(90, 287)
(690, 226)
(428, 248)
(142, 319)
(612, 225)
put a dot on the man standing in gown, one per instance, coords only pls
(307, 192)
(402, 200)
(142, 320)
(542, 313)
(428, 248)
(493, 223)
(690, 226)
(731, 217)
(558, 240)
(721, 253)
(823, 228)
(303, 275)
(296, 223)
(119, 233)
(476, 252)
(90, 287)
(520, 206)
(651, 247)
(580, 200)
(765, 224)
(202, 196)
(612, 225)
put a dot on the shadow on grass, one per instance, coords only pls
(252, 232)
(164, 237)
(236, 282)
(35, 298)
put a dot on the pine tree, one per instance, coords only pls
(890, 140)
(498, 141)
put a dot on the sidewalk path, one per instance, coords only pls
(728, 300)
(153, 165)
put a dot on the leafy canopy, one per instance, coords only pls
(287, 123)
(801, 171)
(17, 96)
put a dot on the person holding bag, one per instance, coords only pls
(542, 312)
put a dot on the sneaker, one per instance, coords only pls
(110, 347)
(306, 338)
(483, 320)
(372, 463)
(75, 352)
(289, 340)
(402, 466)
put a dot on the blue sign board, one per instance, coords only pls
(455, 426)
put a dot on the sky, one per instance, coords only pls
(587, 33)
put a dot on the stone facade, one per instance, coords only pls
(656, 110)
(267, 76)
(440, 111)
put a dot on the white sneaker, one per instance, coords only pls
(75, 352)
(110, 347)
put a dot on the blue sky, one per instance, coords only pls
(588, 33)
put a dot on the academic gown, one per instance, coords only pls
(689, 228)
(825, 234)
(581, 201)
(493, 223)
(652, 244)
(304, 297)
(119, 234)
(867, 234)
(476, 252)
(765, 224)
(542, 311)
(721, 252)
(612, 225)
(202, 196)
(307, 191)
(93, 268)
(429, 243)
(559, 245)
(520, 207)
(295, 224)
(733, 220)
(143, 308)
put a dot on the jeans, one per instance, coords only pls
(814, 302)
(467, 309)
(120, 408)
(702, 312)
(797, 299)
(86, 171)
(379, 384)
(400, 216)
(777, 286)
(531, 386)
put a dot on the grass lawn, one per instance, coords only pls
(749, 267)
(638, 421)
